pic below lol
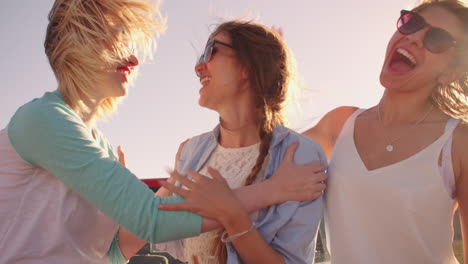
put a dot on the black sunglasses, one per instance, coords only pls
(436, 40)
(209, 50)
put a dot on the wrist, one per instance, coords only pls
(226, 237)
(271, 193)
(235, 220)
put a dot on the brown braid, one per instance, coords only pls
(219, 248)
(265, 57)
(264, 147)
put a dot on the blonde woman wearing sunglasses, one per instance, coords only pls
(399, 170)
(63, 192)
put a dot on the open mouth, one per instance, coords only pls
(204, 80)
(124, 71)
(402, 61)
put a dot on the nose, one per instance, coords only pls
(417, 38)
(199, 67)
(132, 61)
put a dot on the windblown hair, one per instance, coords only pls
(87, 36)
(453, 98)
(269, 64)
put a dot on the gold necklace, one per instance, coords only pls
(389, 147)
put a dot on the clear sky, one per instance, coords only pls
(339, 47)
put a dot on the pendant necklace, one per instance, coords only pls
(389, 147)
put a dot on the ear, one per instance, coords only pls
(452, 74)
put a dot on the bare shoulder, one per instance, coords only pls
(328, 128)
(332, 122)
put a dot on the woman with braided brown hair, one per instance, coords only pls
(245, 72)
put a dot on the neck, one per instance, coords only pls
(237, 131)
(89, 117)
(403, 109)
(238, 122)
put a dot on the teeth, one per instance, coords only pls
(407, 55)
(204, 79)
(123, 71)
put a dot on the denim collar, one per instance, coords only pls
(279, 133)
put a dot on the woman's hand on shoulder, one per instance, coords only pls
(328, 128)
(292, 182)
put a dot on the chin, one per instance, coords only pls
(206, 104)
(382, 78)
(385, 82)
(387, 79)
(122, 92)
(202, 101)
(202, 104)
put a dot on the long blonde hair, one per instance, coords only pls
(86, 36)
(453, 97)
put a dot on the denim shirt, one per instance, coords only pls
(290, 228)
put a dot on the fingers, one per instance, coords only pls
(318, 187)
(121, 155)
(289, 154)
(318, 167)
(216, 175)
(183, 180)
(315, 195)
(306, 195)
(320, 177)
(200, 178)
(314, 167)
(172, 188)
(170, 171)
(195, 175)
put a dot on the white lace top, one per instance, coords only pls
(235, 164)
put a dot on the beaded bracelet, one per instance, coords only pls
(225, 238)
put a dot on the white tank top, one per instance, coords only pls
(398, 214)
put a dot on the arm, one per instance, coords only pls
(290, 182)
(52, 137)
(130, 244)
(221, 204)
(460, 162)
(297, 222)
(213, 199)
(327, 130)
